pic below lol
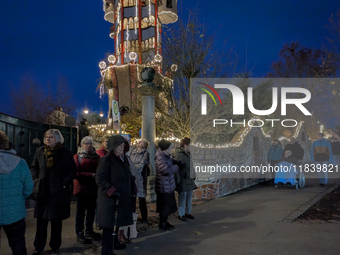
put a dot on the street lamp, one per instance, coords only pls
(86, 111)
(101, 115)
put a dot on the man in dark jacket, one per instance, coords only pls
(335, 144)
(114, 192)
(295, 148)
(186, 183)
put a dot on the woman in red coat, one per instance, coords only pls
(103, 150)
(85, 188)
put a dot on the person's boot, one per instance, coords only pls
(189, 216)
(163, 226)
(121, 237)
(118, 245)
(93, 235)
(81, 238)
(170, 226)
(182, 218)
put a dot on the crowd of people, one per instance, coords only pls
(323, 153)
(106, 183)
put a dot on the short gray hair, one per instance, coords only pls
(146, 142)
(86, 139)
(56, 133)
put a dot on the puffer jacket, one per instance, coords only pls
(141, 160)
(165, 171)
(85, 182)
(16, 185)
(321, 151)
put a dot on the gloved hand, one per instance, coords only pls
(115, 194)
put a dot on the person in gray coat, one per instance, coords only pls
(141, 159)
(166, 169)
(186, 183)
(114, 183)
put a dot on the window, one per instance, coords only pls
(168, 3)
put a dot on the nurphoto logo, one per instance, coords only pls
(238, 98)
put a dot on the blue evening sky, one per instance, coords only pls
(44, 40)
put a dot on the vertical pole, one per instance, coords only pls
(149, 128)
(116, 28)
(140, 31)
(122, 32)
(160, 36)
(156, 26)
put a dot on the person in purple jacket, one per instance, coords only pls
(165, 183)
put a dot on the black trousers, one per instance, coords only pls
(142, 207)
(41, 235)
(107, 240)
(16, 237)
(86, 205)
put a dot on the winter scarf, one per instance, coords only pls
(51, 154)
(83, 153)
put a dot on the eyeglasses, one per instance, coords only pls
(49, 137)
(87, 143)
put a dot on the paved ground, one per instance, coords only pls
(253, 221)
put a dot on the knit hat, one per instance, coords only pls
(164, 144)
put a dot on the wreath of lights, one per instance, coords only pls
(112, 59)
(102, 65)
(133, 56)
(174, 67)
(158, 58)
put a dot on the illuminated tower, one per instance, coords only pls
(136, 29)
